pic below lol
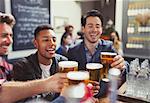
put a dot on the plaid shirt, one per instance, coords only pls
(5, 69)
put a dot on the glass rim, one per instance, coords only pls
(67, 64)
(78, 75)
(114, 72)
(108, 53)
(94, 66)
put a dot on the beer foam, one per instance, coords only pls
(114, 71)
(94, 66)
(108, 53)
(105, 79)
(78, 75)
(68, 64)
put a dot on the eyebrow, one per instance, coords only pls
(4, 33)
(96, 24)
(48, 36)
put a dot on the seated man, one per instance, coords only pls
(13, 91)
(6, 23)
(90, 49)
(43, 63)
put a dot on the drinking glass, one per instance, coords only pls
(106, 59)
(66, 66)
(94, 70)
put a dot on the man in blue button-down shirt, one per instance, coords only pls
(90, 49)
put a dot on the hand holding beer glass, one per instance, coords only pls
(106, 59)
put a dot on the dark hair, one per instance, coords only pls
(67, 27)
(93, 13)
(114, 31)
(117, 35)
(7, 18)
(64, 36)
(42, 27)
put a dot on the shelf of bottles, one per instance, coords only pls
(138, 27)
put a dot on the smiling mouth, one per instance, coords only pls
(5, 47)
(51, 50)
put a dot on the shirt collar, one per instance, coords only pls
(97, 46)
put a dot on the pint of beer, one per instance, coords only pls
(66, 66)
(94, 70)
(106, 59)
(76, 77)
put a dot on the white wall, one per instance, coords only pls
(118, 16)
(61, 8)
(69, 9)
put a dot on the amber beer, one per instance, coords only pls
(94, 70)
(66, 66)
(107, 57)
(106, 60)
(76, 77)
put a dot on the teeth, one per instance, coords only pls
(50, 49)
(4, 46)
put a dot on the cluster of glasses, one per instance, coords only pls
(138, 79)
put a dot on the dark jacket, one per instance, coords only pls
(78, 53)
(28, 69)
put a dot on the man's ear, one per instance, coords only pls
(82, 29)
(35, 43)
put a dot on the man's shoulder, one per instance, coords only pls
(28, 59)
(76, 47)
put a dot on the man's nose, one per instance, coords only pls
(9, 40)
(94, 29)
(52, 42)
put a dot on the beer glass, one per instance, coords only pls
(94, 70)
(76, 77)
(106, 60)
(66, 66)
(114, 74)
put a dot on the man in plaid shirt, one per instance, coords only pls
(5, 41)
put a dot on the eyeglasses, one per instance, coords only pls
(7, 18)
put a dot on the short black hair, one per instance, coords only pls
(93, 13)
(42, 27)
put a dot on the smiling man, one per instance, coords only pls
(6, 23)
(90, 49)
(43, 63)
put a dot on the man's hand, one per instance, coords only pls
(118, 62)
(56, 82)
